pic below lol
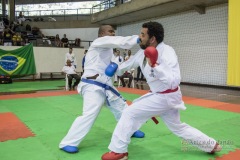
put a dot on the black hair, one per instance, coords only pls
(102, 28)
(155, 29)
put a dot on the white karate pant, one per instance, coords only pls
(134, 116)
(93, 100)
(115, 78)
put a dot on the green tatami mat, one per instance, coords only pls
(25, 149)
(31, 86)
(49, 118)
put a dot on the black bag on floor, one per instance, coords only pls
(5, 79)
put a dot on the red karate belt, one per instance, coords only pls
(164, 92)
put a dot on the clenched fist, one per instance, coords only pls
(151, 55)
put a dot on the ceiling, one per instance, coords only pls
(148, 9)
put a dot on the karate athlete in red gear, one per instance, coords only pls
(165, 99)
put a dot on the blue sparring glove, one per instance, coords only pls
(138, 40)
(111, 69)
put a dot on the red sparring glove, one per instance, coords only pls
(151, 53)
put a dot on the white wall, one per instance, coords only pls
(200, 41)
(51, 59)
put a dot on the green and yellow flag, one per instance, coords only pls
(18, 62)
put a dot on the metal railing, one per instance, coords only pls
(107, 5)
(53, 13)
(56, 13)
(103, 6)
(86, 11)
(69, 12)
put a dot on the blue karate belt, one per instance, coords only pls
(106, 87)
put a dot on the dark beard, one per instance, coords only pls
(145, 46)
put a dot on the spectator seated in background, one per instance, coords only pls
(57, 41)
(46, 40)
(127, 74)
(28, 28)
(70, 70)
(77, 42)
(36, 33)
(17, 39)
(64, 41)
(7, 37)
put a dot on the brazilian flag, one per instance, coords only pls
(17, 63)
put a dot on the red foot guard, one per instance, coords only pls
(115, 156)
(217, 148)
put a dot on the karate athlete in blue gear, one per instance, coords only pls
(96, 88)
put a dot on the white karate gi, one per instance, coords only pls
(72, 58)
(163, 77)
(69, 70)
(97, 59)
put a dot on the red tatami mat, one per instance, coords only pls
(12, 128)
(41, 94)
(235, 155)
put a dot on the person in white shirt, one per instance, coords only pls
(71, 56)
(97, 88)
(162, 74)
(71, 72)
(118, 59)
(129, 54)
(45, 39)
(21, 18)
